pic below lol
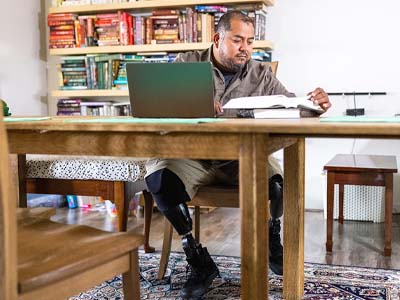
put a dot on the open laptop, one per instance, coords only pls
(171, 90)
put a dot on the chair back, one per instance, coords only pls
(8, 223)
(273, 65)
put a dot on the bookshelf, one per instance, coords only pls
(149, 4)
(136, 6)
(178, 47)
(90, 93)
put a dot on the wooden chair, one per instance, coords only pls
(41, 259)
(212, 196)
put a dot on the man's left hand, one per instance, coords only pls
(318, 96)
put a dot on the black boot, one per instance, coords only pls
(275, 247)
(201, 269)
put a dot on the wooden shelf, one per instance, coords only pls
(90, 93)
(139, 5)
(178, 47)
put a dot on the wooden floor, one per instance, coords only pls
(354, 243)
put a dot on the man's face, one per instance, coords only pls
(233, 49)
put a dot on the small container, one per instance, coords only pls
(72, 201)
(110, 208)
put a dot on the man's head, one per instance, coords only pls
(233, 41)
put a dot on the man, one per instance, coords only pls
(173, 182)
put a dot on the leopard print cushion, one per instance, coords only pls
(81, 167)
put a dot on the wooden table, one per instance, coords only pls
(357, 169)
(248, 140)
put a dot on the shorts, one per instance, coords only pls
(197, 173)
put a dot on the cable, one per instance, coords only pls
(352, 148)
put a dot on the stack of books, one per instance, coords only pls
(62, 30)
(72, 73)
(69, 107)
(273, 107)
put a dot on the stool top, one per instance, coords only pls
(362, 163)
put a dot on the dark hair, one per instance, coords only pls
(224, 23)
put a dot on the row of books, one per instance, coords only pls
(79, 107)
(108, 71)
(104, 71)
(166, 26)
(59, 3)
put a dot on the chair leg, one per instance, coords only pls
(121, 204)
(387, 251)
(148, 214)
(166, 249)
(131, 278)
(341, 196)
(197, 224)
(329, 221)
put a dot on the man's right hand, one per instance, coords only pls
(218, 108)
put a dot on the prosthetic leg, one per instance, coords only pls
(166, 188)
(276, 209)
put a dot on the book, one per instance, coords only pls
(276, 106)
(282, 113)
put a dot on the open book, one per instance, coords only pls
(276, 106)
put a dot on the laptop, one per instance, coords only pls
(171, 90)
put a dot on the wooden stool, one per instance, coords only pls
(371, 170)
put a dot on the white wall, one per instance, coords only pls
(22, 73)
(340, 46)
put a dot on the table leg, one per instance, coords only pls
(253, 204)
(388, 214)
(293, 259)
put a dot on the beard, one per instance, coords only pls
(230, 65)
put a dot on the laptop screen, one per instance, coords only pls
(171, 90)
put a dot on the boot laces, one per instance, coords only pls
(192, 273)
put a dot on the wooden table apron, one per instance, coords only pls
(250, 141)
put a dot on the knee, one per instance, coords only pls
(163, 181)
(276, 188)
(167, 188)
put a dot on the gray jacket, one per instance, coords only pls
(256, 78)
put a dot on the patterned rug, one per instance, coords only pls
(321, 282)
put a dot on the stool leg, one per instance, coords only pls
(341, 196)
(121, 205)
(388, 214)
(329, 206)
(21, 158)
(148, 213)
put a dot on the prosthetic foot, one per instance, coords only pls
(201, 268)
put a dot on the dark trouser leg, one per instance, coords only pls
(170, 195)
(276, 196)
(276, 209)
